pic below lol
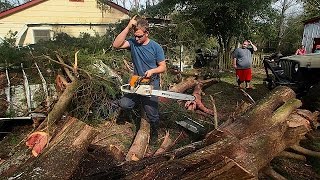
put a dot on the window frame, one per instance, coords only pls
(51, 33)
(76, 0)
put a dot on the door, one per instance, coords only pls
(316, 41)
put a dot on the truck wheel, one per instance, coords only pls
(311, 100)
(269, 82)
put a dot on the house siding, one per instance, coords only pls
(72, 18)
(311, 31)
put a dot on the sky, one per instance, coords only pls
(295, 8)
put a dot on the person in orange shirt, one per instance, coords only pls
(301, 50)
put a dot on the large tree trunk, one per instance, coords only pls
(232, 153)
(62, 157)
(237, 150)
(59, 108)
(22, 154)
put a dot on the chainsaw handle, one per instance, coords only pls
(140, 79)
(126, 88)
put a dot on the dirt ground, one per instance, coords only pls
(227, 97)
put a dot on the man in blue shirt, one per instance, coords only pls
(149, 61)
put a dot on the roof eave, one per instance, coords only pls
(36, 2)
(20, 8)
(312, 20)
(116, 6)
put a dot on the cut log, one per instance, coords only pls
(21, 154)
(272, 173)
(259, 116)
(141, 141)
(246, 156)
(37, 141)
(60, 160)
(234, 154)
(184, 85)
(59, 108)
(166, 144)
(127, 167)
(228, 153)
(197, 93)
(292, 155)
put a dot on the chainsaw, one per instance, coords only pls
(141, 85)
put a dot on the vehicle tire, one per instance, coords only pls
(311, 100)
(270, 82)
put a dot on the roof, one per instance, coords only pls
(36, 2)
(312, 20)
(116, 6)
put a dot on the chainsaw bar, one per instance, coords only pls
(147, 90)
(173, 95)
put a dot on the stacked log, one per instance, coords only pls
(236, 150)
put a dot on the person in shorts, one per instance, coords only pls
(242, 62)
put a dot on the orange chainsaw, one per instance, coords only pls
(141, 85)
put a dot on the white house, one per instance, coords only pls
(41, 19)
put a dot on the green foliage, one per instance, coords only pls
(95, 99)
(9, 54)
(311, 8)
(265, 30)
(85, 42)
(188, 33)
(223, 19)
(5, 5)
(292, 36)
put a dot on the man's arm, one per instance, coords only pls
(235, 62)
(234, 58)
(162, 67)
(120, 41)
(253, 46)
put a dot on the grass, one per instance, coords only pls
(227, 96)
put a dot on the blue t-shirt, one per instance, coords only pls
(146, 57)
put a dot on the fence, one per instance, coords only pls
(226, 62)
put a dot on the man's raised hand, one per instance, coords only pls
(132, 22)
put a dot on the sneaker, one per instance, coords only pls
(249, 87)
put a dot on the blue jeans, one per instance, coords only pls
(149, 104)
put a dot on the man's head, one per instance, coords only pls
(245, 44)
(141, 31)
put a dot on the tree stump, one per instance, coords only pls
(61, 158)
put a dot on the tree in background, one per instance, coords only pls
(228, 20)
(4, 5)
(285, 9)
(311, 8)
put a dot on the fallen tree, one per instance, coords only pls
(62, 157)
(46, 130)
(236, 150)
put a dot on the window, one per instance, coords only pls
(42, 34)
